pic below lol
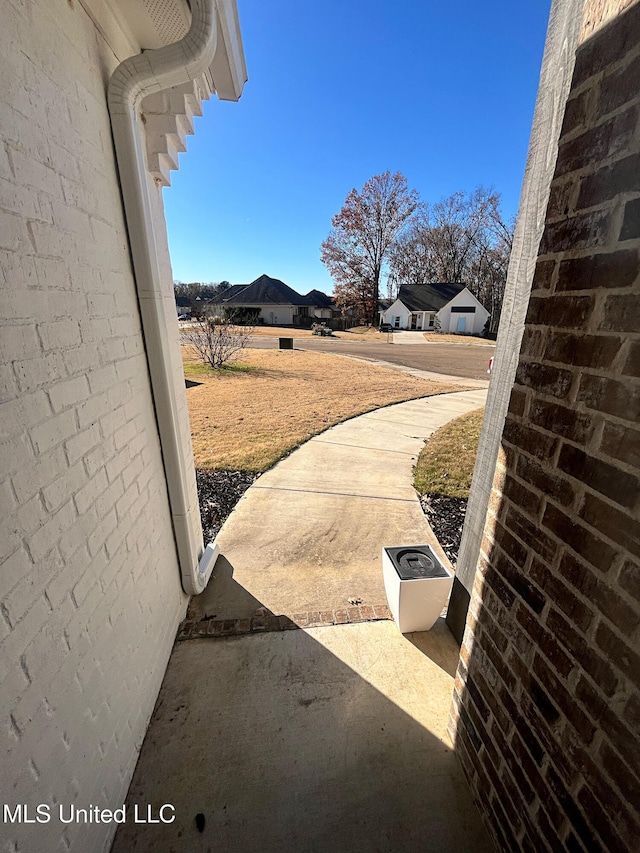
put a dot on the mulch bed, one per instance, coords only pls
(446, 517)
(218, 493)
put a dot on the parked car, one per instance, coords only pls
(385, 327)
(183, 317)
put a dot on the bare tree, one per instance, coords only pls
(217, 341)
(461, 238)
(488, 274)
(363, 233)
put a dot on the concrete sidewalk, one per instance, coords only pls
(308, 534)
(399, 336)
(317, 739)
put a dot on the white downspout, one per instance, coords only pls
(135, 78)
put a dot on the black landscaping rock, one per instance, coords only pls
(218, 493)
(446, 517)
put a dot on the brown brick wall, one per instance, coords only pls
(547, 703)
(597, 13)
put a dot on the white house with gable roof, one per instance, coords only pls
(452, 303)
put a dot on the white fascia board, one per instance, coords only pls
(228, 69)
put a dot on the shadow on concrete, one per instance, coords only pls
(224, 598)
(438, 645)
(304, 740)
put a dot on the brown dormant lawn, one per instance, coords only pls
(445, 466)
(249, 416)
(445, 338)
(358, 333)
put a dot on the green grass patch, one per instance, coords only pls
(445, 465)
(193, 369)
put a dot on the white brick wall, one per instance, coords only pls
(88, 611)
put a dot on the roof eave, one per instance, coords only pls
(228, 69)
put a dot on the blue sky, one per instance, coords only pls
(341, 91)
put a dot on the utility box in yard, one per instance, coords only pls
(285, 343)
(417, 586)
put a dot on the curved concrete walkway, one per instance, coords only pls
(307, 535)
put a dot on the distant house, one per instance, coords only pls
(324, 308)
(452, 303)
(228, 292)
(274, 303)
(183, 306)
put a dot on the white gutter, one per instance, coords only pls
(135, 78)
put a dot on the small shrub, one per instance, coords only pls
(242, 316)
(217, 342)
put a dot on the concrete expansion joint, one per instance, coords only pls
(261, 487)
(320, 440)
(265, 622)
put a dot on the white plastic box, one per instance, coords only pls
(417, 586)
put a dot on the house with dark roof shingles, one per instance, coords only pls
(183, 306)
(452, 303)
(323, 305)
(274, 302)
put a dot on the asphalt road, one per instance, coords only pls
(466, 360)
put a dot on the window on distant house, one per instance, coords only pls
(396, 322)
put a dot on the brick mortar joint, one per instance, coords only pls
(573, 180)
(594, 80)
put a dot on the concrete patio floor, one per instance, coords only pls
(325, 738)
